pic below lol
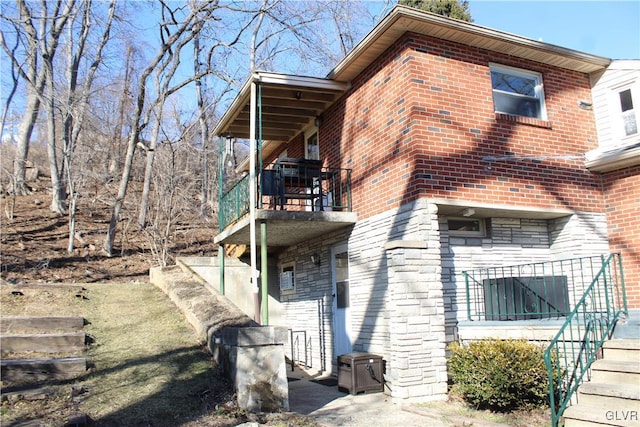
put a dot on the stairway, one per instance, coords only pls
(61, 336)
(612, 395)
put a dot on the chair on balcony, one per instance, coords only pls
(300, 179)
(272, 184)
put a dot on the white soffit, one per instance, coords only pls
(402, 19)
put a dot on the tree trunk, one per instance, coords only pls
(122, 192)
(113, 163)
(204, 131)
(57, 200)
(22, 148)
(72, 221)
(148, 172)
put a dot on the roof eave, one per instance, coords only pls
(402, 19)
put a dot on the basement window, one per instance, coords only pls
(525, 298)
(469, 227)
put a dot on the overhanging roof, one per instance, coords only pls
(289, 104)
(402, 19)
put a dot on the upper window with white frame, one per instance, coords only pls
(517, 92)
(312, 146)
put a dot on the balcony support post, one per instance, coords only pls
(252, 201)
(264, 268)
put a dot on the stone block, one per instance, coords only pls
(253, 358)
(254, 336)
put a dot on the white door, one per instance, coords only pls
(341, 300)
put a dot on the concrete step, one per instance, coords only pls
(42, 369)
(629, 327)
(588, 416)
(15, 324)
(43, 343)
(616, 372)
(622, 349)
(614, 397)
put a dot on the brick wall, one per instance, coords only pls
(622, 193)
(419, 122)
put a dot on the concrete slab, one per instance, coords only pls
(332, 407)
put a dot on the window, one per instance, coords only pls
(312, 148)
(287, 279)
(628, 112)
(522, 298)
(471, 227)
(517, 92)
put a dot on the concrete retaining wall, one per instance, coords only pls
(250, 355)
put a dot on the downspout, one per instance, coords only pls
(221, 267)
(252, 202)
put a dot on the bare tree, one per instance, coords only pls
(174, 35)
(77, 100)
(34, 64)
(204, 128)
(113, 162)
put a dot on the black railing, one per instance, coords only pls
(290, 184)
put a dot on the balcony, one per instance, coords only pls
(297, 198)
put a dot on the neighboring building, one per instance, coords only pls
(436, 146)
(616, 104)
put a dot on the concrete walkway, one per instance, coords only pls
(332, 407)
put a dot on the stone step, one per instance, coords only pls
(616, 372)
(42, 369)
(13, 324)
(43, 343)
(587, 416)
(622, 349)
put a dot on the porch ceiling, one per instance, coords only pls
(289, 104)
(286, 228)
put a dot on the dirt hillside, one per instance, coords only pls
(33, 241)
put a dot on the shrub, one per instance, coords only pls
(500, 375)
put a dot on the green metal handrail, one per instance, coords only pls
(234, 204)
(575, 347)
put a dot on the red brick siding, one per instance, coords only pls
(420, 122)
(295, 148)
(622, 194)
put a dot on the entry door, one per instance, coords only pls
(341, 300)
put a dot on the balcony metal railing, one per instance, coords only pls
(579, 341)
(289, 186)
(234, 204)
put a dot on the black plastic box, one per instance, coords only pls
(360, 372)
